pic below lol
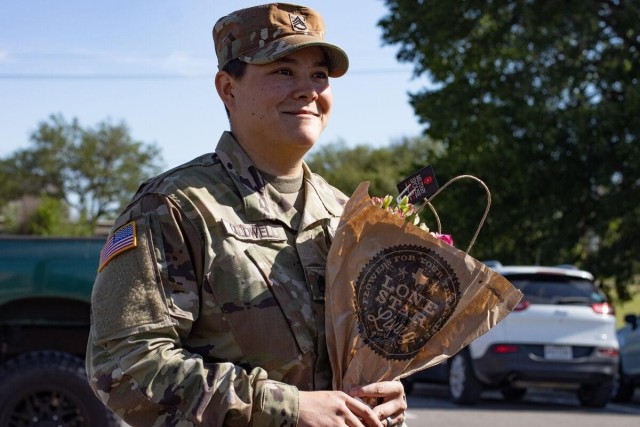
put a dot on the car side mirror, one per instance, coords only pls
(631, 319)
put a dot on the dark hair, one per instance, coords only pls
(236, 69)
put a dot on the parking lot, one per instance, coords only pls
(429, 405)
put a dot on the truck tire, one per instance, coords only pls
(49, 388)
(464, 387)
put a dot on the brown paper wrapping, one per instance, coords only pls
(398, 300)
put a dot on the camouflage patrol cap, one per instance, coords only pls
(265, 33)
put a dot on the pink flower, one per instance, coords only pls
(444, 237)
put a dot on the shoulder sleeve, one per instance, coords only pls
(144, 304)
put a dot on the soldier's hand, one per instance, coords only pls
(390, 401)
(335, 408)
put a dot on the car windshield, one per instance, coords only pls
(552, 289)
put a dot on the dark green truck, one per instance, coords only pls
(45, 290)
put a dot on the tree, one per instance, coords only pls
(540, 99)
(383, 167)
(91, 171)
(49, 219)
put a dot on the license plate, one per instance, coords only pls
(558, 352)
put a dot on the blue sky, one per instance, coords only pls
(151, 64)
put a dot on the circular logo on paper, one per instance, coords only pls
(404, 295)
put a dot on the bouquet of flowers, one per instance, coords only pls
(400, 298)
(407, 211)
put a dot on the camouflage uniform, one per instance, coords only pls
(216, 316)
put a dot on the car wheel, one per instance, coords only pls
(623, 393)
(464, 387)
(623, 390)
(49, 388)
(595, 395)
(513, 394)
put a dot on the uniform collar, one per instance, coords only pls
(263, 202)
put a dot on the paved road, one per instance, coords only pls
(429, 406)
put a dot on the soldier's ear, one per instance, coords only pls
(225, 85)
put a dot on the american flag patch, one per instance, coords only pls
(123, 239)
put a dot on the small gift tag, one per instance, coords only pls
(419, 185)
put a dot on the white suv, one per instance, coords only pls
(561, 335)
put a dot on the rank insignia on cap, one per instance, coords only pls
(121, 240)
(297, 22)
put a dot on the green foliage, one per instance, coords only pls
(383, 167)
(630, 305)
(51, 217)
(48, 218)
(540, 100)
(89, 173)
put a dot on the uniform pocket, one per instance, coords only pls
(268, 331)
(289, 297)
